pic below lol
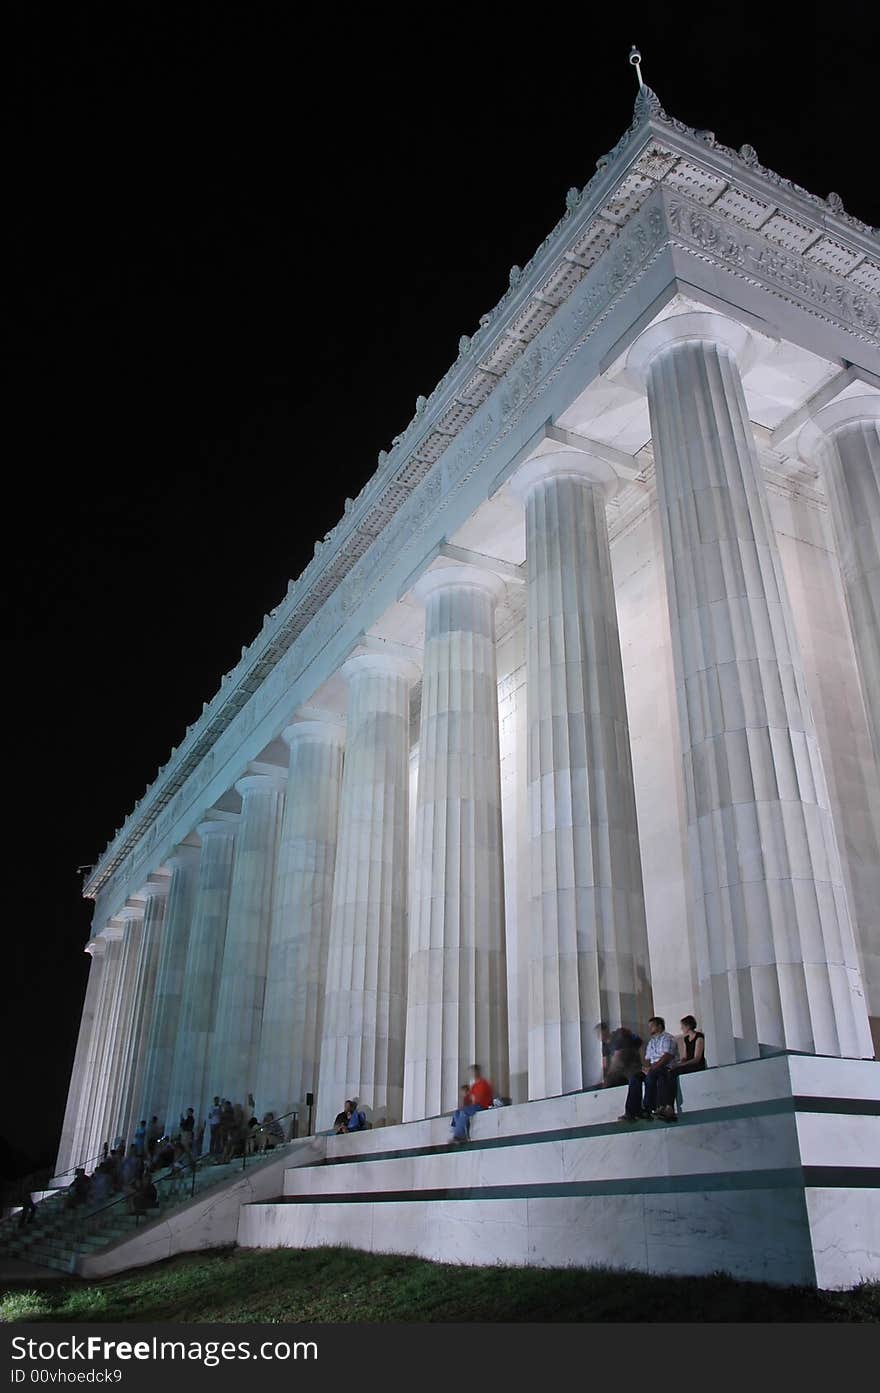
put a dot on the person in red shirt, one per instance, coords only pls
(476, 1098)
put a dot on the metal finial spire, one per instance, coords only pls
(636, 58)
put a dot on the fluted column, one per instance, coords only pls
(142, 1006)
(775, 949)
(293, 1011)
(165, 1017)
(245, 954)
(457, 980)
(78, 1091)
(100, 1050)
(119, 1028)
(364, 1011)
(844, 438)
(193, 1077)
(589, 954)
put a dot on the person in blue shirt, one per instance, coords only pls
(351, 1120)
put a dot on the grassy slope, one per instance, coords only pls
(340, 1284)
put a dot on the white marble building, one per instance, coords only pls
(574, 715)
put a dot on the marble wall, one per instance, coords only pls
(766, 1176)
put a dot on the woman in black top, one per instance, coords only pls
(694, 1048)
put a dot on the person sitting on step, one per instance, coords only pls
(625, 1067)
(356, 1120)
(78, 1190)
(477, 1097)
(271, 1133)
(660, 1052)
(145, 1196)
(694, 1049)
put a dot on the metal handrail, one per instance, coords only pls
(172, 1176)
(195, 1164)
(267, 1127)
(81, 1165)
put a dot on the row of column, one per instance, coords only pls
(284, 958)
(776, 954)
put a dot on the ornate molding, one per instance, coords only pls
(765, 264)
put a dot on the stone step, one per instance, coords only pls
(60, 1264)
(59, 1236)
(61, 1259)
(768, 1175)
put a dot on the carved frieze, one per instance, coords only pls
(773, 268)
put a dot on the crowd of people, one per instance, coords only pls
(235, 1130)
(131, 1172)
(154, 1154)
(648, 1069)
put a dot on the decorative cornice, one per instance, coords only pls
(756, 258)
(599, 224)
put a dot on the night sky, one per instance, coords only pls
(241, 248)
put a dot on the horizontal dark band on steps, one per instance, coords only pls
(773, 1107)
(789, 1177)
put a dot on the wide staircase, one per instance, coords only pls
(769, 1173)
(63, 1238)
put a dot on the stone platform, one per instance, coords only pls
(772, 1173)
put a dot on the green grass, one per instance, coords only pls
(341, 1284)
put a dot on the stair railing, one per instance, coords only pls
(182, 1176)
(249, 1148)
(178, 1178)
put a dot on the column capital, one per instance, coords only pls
(586, 468)
(213, 828)
(324, 732)
(96, 947)
(129, 912)
(387, 663)
(262, 783)
(156, 885)
(458, 576)
(697, 326)
(111, 932)
(181, 857)
(824, 424)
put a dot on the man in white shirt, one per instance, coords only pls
(660, 1051)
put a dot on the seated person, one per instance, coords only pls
(625, 1067)
(355, 1121)
(78, 1189)
(660, 1052)
(272, 1133)
(476, 1097)
(694, 1049)
(145, 1196)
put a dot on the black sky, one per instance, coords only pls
(243, 243)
